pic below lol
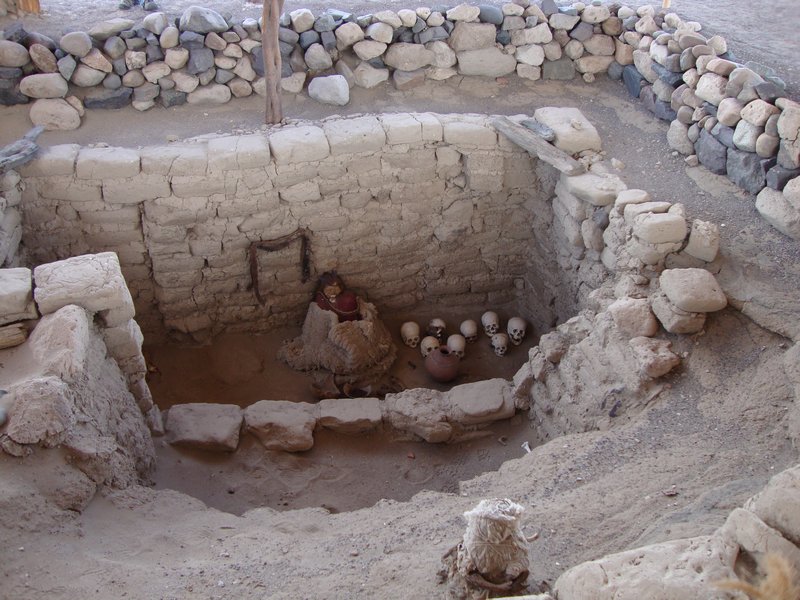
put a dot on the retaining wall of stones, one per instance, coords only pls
(10, 219)
(732, 118)
(412, 209)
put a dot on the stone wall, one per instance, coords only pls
(730, 117)
(10, 219)
(413, 210)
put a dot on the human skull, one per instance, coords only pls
(516, 330)
(500, 343)
(469, 329)
(428, 345)
(436, 328)
(409, 331)
(490, 322)
(457, 344)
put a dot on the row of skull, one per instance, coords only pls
(456, 343)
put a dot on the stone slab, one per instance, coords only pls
(204, 426)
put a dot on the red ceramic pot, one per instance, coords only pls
(442, 364)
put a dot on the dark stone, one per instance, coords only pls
(615, 71)
(241, 32)
(15, 33)
(673, 63)
(141, 32)
(406, 36)
(490, 14)
(191, 40)
(98, 98)
(582, 31)
(724, 134)
(59, 53)
(154, 53)
(710, 109)
(152, 39)
(562, 69)
(112, 81)
(377, 62)
(127, 34)
(397, 33)
(146, 91)
(503, 37)
(449, 26)
(748, 170)
(10, 94)
(667, 76)
(341, 16)
(34, 37)
(328, 40)
(68, 64)
(10, 73)
(165, 83)
(136, 43)
(778, 177)
(768, 91)
(119, 66)
(324, 22)
(288, 36)
(170, 98)
(257, 62)
(307, 38)
(285, 49)
(630, 22)
(419, 26)
(659, 108)
(632, 80)
(434, 34)
(600, 217)
(286, 69)
(223, 76)
(200, 59)
(711, 153)
(549, 7)
(568, 10)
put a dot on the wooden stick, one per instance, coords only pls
(270, 28)
(534, 144)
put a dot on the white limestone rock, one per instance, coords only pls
(367, 76)
(44, 85)
(684, 568)
(408, 57)
(55, 114)
(480, 402)
(487, 62)
(209, 95)
(653, 356)
(306, 143)
(463, 12)
(348, 34)
(332, 89)
(778, 504)
(16, 295)
(633, 317)
(574, 133)
(692, 290)
(757, 538)
(93, 281)
(60, 343)
(675, 320)
(369, 49)
(598, 190)
(350, 415)
(659, 228)
(351, 136)
(42, 412)
(703, 240)
(204, 426)
(776, 210)
(282, 425)
(711, 88)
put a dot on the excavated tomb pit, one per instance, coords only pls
(422, 215)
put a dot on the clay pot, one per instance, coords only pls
(442, 364)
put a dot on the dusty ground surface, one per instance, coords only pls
(717, 435)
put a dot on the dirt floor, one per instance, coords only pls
(720, 436)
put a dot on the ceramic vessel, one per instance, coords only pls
(442, 364)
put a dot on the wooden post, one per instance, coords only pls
(272, 58)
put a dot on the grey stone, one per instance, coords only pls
(87, 77)
(328, 40)
(724, 134)
(114, 47)
(77, 43)
(104, 30)
(549, 7)
(778, 177)
(169, 98)
(562, 69)
(667, 76)
(615, 71)
(282, 425)
(748, 170)
(191, 40)
(406, 80)
(432, 34)
(330, 90)
(367, 76)
(205, 426)
(209, 95)
(200, 60)
(490, 14)
(632, 80)
(408, 57)
(104, 98)
(472, 36)
(711, 153)
(112, 81)
(202, 20)
(487, 62)
(317, 58)
(659, 108)
(10, 94)
(776, 210)
(288, 36)
(308, 38)
(582, 32)
(13, 54)
(44, 85)
(324, 22)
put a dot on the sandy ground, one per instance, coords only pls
(718, 434)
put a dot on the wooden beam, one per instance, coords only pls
(534, 144)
